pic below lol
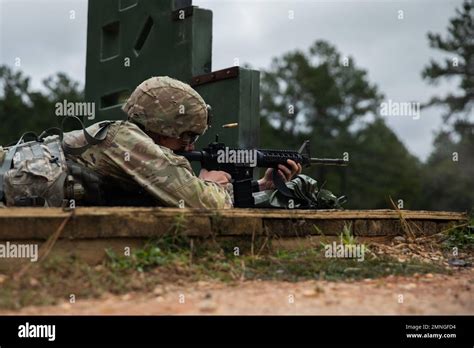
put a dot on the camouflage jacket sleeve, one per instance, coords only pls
(166, 176)
(2, 155)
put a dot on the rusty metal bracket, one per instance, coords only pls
(219, 75)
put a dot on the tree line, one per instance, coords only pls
(318, 95)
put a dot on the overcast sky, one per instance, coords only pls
(392, 50)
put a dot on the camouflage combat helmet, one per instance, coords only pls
(167, 107)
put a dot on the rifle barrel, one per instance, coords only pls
(329, 161)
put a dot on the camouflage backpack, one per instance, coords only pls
(37, 173)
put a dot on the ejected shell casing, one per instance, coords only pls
(230, 125)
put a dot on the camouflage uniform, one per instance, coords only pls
(167, 107)
(132, 162)
(130, 158)
(3, 153)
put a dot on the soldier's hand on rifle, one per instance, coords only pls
(217, 176)
(266, 183)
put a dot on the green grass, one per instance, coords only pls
(346, 237)
(296, 266)
(460, 238)
(310, 263)
(174, 258)
(56, 279)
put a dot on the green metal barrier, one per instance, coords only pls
(129, 41)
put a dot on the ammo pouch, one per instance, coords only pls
(41, 176)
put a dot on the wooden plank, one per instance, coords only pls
(40, 224)
(262, 213)
(132, 222)
(236, 226)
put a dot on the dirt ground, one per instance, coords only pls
(419, 294)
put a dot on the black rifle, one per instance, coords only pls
(242, 171)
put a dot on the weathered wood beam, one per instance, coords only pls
(131, 222)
